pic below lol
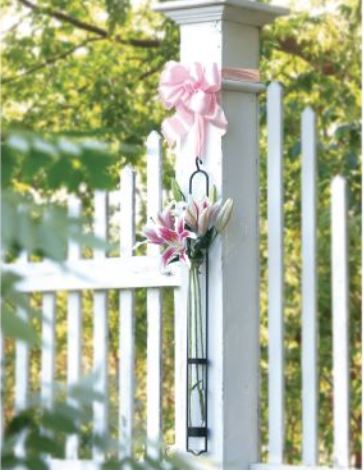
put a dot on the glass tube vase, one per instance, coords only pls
(196, 361)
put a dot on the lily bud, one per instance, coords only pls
(224, 215)
(213, 197)
(203, 221)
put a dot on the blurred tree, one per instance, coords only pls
(86, 68)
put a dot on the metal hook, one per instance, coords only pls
(199, 171)
(198, 162)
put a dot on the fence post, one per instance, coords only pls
(227, 32)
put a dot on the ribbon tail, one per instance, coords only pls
(175, 128)
(219, 120)
(200, 134)
(200, 127)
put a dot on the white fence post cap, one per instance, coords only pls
(240, 11)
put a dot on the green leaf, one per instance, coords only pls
(11, 462)
(20, 422)
(176, 191)
(40, 443)
(15, 327)
(59, 421)
(36, 463)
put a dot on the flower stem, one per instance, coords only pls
(196, 340)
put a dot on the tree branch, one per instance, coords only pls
(65, 18)
(150, 72)
(51, 60)
(291, 46)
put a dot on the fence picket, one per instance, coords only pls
(21, 372)
(180, 353)
(154, 304)
(340, 319)
(275, 274)
(21, 381)
(21, 361)
(309, 289)
(126, 313)
(100, 328)
(48, 349)
(74, 325)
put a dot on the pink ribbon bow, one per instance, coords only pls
(193, 92)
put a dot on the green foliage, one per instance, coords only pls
(55, 162)
(41, 229)
(12, 325)
(43, 431)
(117, 13)
(29, 221)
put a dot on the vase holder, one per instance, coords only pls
(197, 347)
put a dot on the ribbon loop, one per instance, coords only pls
(193, 92)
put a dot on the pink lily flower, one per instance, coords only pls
(166, 218)
(176, 241)
(170, 233)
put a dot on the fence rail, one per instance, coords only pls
(91, 274)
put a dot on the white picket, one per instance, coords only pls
(100, 328)
(180, 354)
(309, 290)
(21, 369)
(21, 360)
(74, 326)
(275, 273)
(340, 320)
(48, 349)
(21, 381)
(126, 313)
(154, 304)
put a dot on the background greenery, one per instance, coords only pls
(89, 69)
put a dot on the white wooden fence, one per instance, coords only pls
(128, 272)
(100, 274)
(309, 313)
